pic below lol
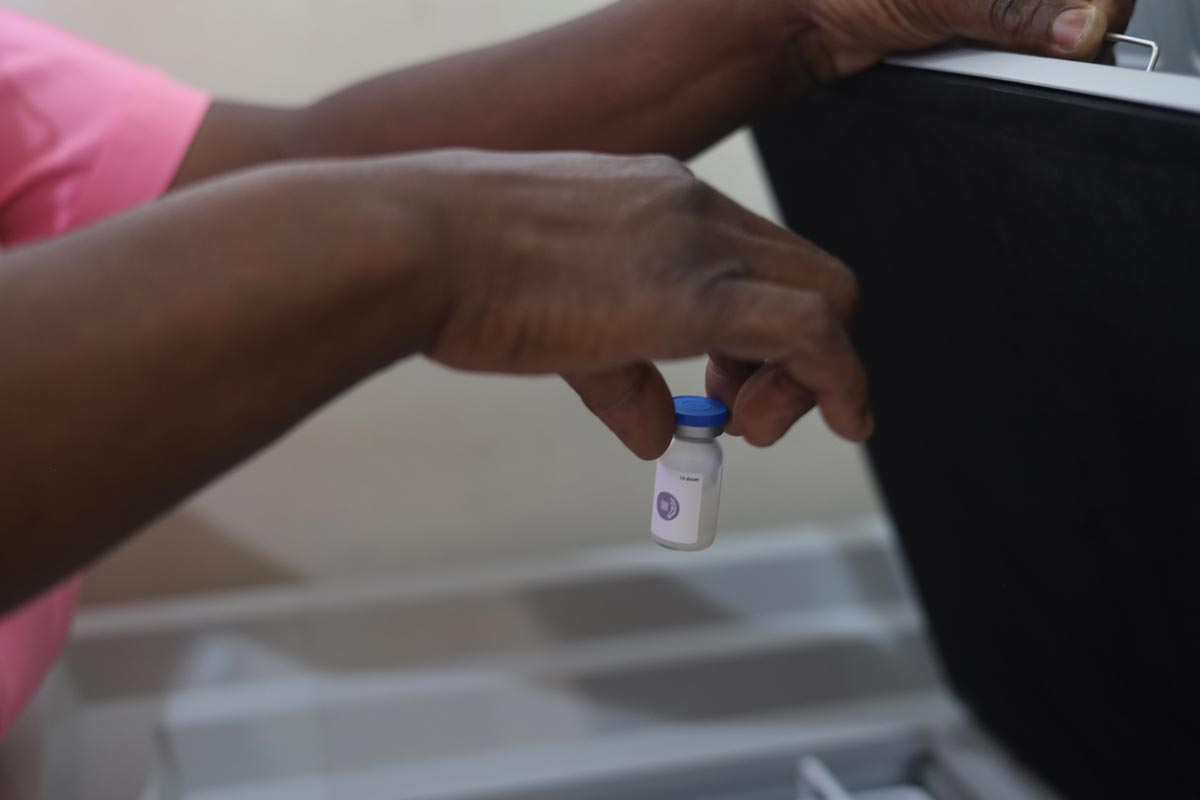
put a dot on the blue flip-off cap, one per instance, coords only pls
(701, 412)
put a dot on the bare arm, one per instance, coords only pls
(638, 76)
(643, 76)
(144, 356)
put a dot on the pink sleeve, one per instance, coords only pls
(84, 134)
(30, 640)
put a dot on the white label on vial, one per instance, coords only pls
(677, 498)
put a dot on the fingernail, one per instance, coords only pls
(1072, 29)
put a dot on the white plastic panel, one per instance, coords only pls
(1177, 92)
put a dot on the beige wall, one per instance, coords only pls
(416, 468)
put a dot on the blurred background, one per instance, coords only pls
(373, 484)
(339, 618)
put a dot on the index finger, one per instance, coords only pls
(797, 332)
(775, 254)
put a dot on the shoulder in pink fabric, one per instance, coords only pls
(84, 134)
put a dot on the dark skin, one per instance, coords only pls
(149, 354)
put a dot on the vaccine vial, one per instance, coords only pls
(687, 483)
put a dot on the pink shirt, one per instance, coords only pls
(84, 135)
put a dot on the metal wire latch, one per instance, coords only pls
(816, 782)
(1155, 50)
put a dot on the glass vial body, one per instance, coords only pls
(687, 484)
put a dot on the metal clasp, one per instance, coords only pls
(816, 782)
(1155, 50)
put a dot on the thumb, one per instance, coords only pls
(634, 402)
(1063, 28)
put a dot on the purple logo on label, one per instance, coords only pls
(668, 506)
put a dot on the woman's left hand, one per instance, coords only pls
(840, 37)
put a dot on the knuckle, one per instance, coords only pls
(816, 319)
(664, 166)
(818, 335)
(730, 312)
(766, 335)
(1007, 16)
(674, 188)
(844, 288)
(800, 330)
(713, 286)
(1011, 17)
(696, 198)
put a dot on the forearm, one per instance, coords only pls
(639, 76)
(143, 357)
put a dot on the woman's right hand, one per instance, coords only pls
(146, 355)
(593, 267)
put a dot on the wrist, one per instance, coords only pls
(407, 249)
(370, 230)
(743, 51)
(807, 52)
(785, 35)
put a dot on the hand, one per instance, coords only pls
(594, 266)
(840, 37)
(836, 38)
